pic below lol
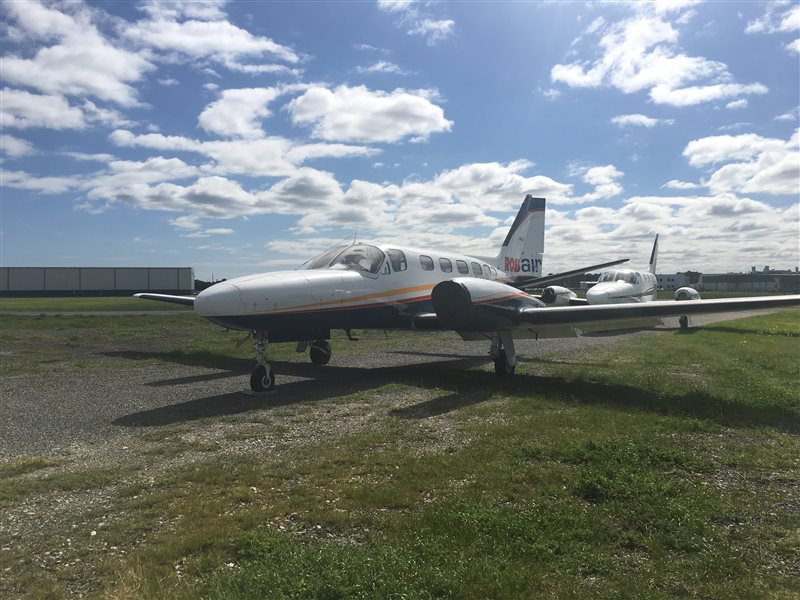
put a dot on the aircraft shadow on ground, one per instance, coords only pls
(464, 388)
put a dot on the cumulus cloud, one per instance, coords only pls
(14, 147)
(44, 185)
(81, 62)
(433, 30)
(755, 165)
(205, 34)
(641, 52)
(20, 110)
(780, 16)
(357, 114)
(676, 184)
(640, 121)
(736, 104)
(239, 112)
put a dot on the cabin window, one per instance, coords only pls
(360, 257)
(324, 259)
(486, 271)
(445, 265)
(476, 269)
(462, 267)
(398, 260)
(426, 262)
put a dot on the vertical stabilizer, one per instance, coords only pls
(523, 248)
(654, 256)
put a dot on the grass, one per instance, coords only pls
(667, 467)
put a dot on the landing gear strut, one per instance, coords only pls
(263, 377)
(684, 322)
(503, 353)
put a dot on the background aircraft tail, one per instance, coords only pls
(522, 251)
(654, 256)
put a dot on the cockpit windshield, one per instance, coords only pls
(323, 260)
(619, 275)
(360, 257)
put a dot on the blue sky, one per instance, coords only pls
(247, 137)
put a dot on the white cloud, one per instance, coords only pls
(779, 16)
(217, 40)
(689, 96)
(418, 21)
(756, 165)
(381, 66)
(168, 81)
(239, 112)
(14, 147)
(725, 148)
(267, 157)
(209, 232)
(676, 184)
(44, 185)
(433, 30)
(361, 115)
(789, 115)
(206, 10)
(21, 110)
(736, 104)
(81, 63)
(641, 53)
(794, 46)
(640, 120)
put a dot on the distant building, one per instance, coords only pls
(767, 280)
(94, 281)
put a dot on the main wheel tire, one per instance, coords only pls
(684, 322)
(320, 352)
(262, 379)
(501, 366)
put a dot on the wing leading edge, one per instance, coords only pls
(185, 300)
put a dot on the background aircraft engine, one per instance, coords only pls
(471, 304)
(557, 295)
(686, 293)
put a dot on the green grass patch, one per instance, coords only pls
(663, 467)
(25, 465)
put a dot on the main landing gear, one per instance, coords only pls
(503, 353)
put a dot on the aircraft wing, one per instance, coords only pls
(186, 300)
(537, 282)
(475, 306)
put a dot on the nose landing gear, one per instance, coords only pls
(504, 355)
(263, 377)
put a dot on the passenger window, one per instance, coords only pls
(486, 271)
(426, 262)
(462, 267)
(398, 260)
(476, 269)
(445, 265)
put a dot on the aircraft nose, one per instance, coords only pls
(599, 294)
(221, 299)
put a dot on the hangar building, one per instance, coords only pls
(94, 281)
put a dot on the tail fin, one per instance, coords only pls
(654, 256)
(523, 248)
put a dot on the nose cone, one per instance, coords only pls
(604, 293)
(222, 299)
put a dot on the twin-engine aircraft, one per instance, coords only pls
(387, 286)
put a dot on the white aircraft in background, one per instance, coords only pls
(387, 286)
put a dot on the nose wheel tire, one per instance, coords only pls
(320, 352)
(262, 379)
(501, 366)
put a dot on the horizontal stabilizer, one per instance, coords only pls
(185, 300)
(536, 282)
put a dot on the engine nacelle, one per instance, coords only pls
(557, 295)
(686, 293)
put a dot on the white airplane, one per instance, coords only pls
(619, 286)
(387, 286)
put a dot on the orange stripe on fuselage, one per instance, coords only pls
(340, 301)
